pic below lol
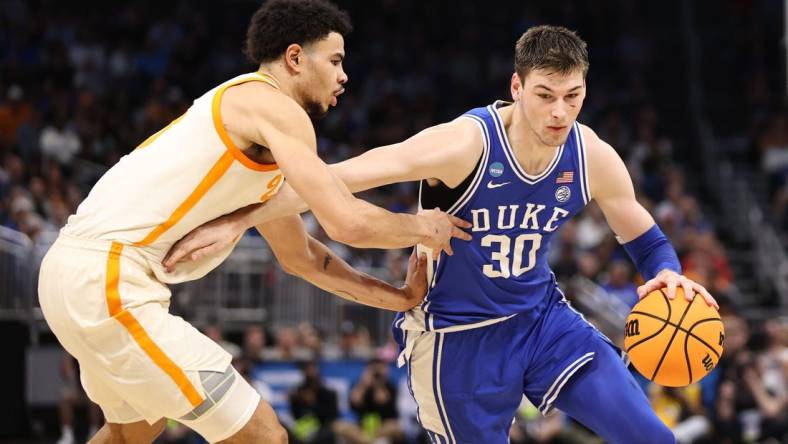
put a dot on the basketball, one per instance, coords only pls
(673, 342)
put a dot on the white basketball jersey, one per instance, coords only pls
(183, 176)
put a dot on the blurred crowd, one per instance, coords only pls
(80, 88)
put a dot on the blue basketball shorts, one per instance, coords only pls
(468, 384)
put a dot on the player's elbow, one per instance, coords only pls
(351, 232)
(295, 265)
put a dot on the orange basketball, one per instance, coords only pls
(673, 342)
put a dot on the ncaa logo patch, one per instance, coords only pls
(496, 169)
(563, 193)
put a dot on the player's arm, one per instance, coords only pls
(654, 256)
(275, 121)
(447, 152)
(300, 254)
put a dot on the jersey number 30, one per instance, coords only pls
(502, 255)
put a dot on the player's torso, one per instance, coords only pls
(178, 179)
(503, 270)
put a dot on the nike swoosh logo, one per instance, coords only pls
(492, 185)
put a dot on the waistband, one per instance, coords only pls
(102, 246)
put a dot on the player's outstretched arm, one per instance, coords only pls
(254, 113)
(654, 256)
(302, 255)
(447, 152)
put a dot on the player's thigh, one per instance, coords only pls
(263, 426)
(165, 368)
(467, 384)
(605, 397)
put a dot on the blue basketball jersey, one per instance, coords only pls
(503, 271)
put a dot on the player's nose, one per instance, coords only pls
(343, 78)
(558, 113)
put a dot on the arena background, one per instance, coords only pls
(690, 93)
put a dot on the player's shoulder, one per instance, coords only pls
(465, 126)
(260, 100)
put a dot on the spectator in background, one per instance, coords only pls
(620, 286)
(287, 347)
(59, 141)
(71, 395)
(767, 380)
(311, 340)
(773, 148)
(681, 409)
(736, 411)
(213, 331)
(314, 408)
(374, 399)
(253, 347)
(14, 113)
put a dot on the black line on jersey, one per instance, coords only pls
(675, 332)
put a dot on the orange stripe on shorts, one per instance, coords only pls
(138, 332)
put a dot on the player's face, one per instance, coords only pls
(325, 75)
(550, 102)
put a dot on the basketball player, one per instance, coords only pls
(494, 324)
(102, 288)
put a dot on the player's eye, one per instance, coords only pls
(572, 96)
(544, 96)
(336, 62)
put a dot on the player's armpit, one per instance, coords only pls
(612, 189)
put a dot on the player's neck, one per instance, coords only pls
(530, 152)
(281, 78)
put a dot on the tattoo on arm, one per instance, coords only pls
(346, 294)
(326, 260)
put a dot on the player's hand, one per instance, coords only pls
(415, 287)
(671, 280)
(443, 227)
(204, 240)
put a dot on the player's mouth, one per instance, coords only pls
(556, 128)
(336, 94)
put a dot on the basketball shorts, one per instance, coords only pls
(468, 384)
(137, 361)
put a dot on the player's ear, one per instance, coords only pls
(294, 57)
(516, 87)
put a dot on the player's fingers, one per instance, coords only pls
(204, 251)
(647, 288)
(412, 261)
(672, 284)
(707, 296)
(180, 250)
(459, 234)
(689, 293)
(447, 248)
(421, 266)
(459, 222)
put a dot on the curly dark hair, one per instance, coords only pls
(554, 48)
(280, 23)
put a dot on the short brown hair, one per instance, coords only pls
(553, 48)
